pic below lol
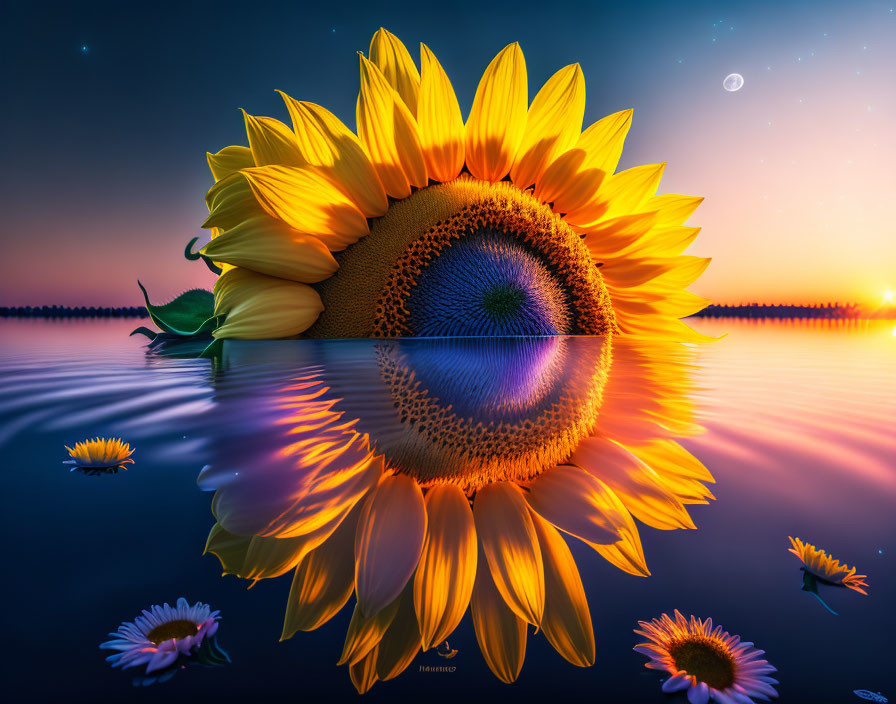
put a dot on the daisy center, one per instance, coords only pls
(179, 628)
(707, 661)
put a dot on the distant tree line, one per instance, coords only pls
(830, 311)
(72, 312)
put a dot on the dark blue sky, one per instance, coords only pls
(104, 147)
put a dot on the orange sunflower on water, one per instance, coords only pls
(420, 224)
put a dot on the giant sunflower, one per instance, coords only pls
(511, 223)
(426, 476)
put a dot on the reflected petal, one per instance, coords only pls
(510, 545)
(402, 641)
(567, 619)
(323, 581)
(500, 632)
(638, 487)
(573, 501)
(447, 569)
(364, 633)
(363, 673)
(389, 541)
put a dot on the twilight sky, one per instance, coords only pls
(110, 108)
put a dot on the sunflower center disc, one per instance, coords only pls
(487, 284)
(466, 258)
(179, 628)
(708, 662)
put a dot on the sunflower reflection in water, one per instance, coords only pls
(455, 471)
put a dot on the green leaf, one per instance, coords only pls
(143, 330)
(191, 313)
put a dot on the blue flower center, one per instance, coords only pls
(487, 284)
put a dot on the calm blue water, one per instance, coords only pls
(798, 433)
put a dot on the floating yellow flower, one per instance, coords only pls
(100, 455)
(709, 663)
(825, 569)
(420, 224)
(425, 476)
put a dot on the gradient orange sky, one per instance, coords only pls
(105, 172)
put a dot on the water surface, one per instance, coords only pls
(798, 433)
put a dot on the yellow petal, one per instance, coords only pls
(363, 673)
(269, 246)
(388, 131)
(597, 151)
(333, 149)
(497, 119)
(612, 237)
(569, 186)
(439, 121)
(229, 160)
(574, 501)
(603, 141)
(260, 307)
(323, 581)
(402, 640)
(500, 632)
(230, 201)
(552, 125)
(633, 482)
(666, 241)
(626, 272)
(272, 142)
(673, 209)
(629, 190)
(389, 541)
(661, 327)
(673, 302)
(396, 64)
(444, 579)
(567, 619)
(309, 203)
(508, 540)
(364, 632)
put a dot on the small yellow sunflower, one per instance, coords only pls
(419, 224)
(825, 569)
(100, 455)
(428, 476)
